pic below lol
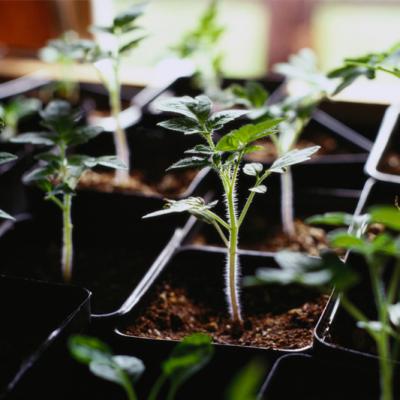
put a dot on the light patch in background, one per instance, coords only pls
(245, 42)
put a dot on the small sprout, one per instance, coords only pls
(13, 111)
(367, 66)
(186, 359)
(225, 157)
(201, 46)
(252, 95)
(380, 253)
(58, 173)
(107, 61)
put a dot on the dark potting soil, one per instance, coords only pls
(308, 239)
(176, 309)
(390, 163)
(110, 270)
(168, 185)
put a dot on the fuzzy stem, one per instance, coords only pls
(287, 211)
(232, 258)
(120, 140)
(67, 250)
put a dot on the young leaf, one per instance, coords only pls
(188, 357)
(113, 369)
(182, 124)
(86, 349)
(4, 215)
(386, 215)
(345, 240)
(190, 162)
(40, 138)
(239, 139)
(6, 157)
(293, 157)
(331, 218)
(221, 118)
(259, 189)
(253, 169)
(394, 314)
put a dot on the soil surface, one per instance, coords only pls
(270, 320)
(308, 239)
(390, 163)
(170, 185)
(329, 145)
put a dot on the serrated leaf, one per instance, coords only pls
(110, 162)
(240, 138)
(253, 169)
(201, 149)
(84, 134)
(293, 157)
(190, 162)
(221, 118)
(181, 124)
(40, 138)
(6, 157)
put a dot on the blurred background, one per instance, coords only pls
(258, 32)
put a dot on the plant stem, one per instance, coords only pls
(232, 257)
(155, 390)
(172, 391)
(287, 211)
(120, 140)
(67, 250)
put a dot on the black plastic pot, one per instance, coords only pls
(303, 377)
(385, 150)
(336, 335)
(36, 319)
(113, 249)
(263, 221)
(201, 271)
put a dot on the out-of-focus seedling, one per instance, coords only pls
(13, 111)
(58, 172)
(187, 358)
(381, 252)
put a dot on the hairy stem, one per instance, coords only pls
(120, 139)
(287, 211)
(67, 250)
(232, 273)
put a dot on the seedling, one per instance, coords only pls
(63, 51)
(107, 62)
(201, 46)
(379, 251)
(13, 111)
(225, 157)
(367, 66)
(187, 358)
(58, 173)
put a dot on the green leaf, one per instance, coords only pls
(293, 157)
(194, 205)
(221, 118)
(111, 369)
(239, 139)
(4, 215)
(345, 240)
(40, 138)
(259, 189)
(386, 215)
(190, 162)
(201, 149)
(6, 157)
(87, 349)
(107, 161)
(252, 95)
(131, 45)
(384, 244)
(247, 383)
(182, 124)
(84, 134)
(129, 16)
(331, 218)
(253, 169)
(40, 173)
(188, 357)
